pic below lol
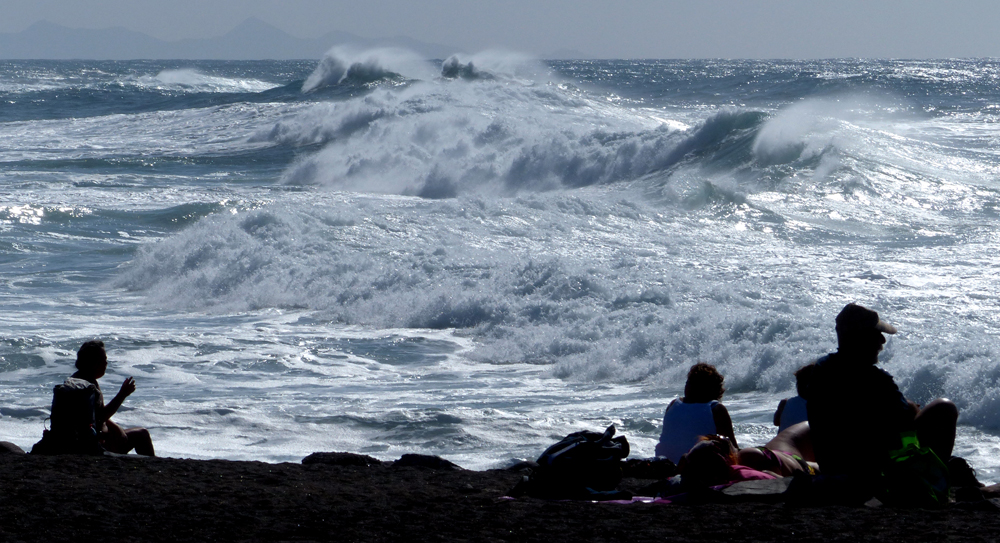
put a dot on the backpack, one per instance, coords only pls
(581, 465)
(914, 476)
(73, 420)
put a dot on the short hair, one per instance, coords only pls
(704, 384)
(803, 376)
(90, 353)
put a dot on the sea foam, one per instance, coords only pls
(191, 80)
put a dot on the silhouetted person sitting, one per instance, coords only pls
(91, 364)
(856, 411)
(792, 410)
(697, 413)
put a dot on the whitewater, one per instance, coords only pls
(380, 254)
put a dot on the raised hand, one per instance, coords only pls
(128, 387)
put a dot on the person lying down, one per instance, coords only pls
(714, 461)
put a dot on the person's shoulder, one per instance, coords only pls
(79, 381)
(879, 371)
(681, 406)
(826, 365)
(699, 405)
(828, 359)
(879, 375)
(74, 382)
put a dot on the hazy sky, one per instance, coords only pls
(620, 29)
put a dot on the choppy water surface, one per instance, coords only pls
(472, 258)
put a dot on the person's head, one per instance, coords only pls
(704, 384)
(859, 330)
(92, 359)
(708, 463)
(802, 378)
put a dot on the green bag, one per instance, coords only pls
(915, 476)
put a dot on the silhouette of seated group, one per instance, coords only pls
(849, 422)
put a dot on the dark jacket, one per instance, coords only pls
(856, 413)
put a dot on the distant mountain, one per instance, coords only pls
(252, 39)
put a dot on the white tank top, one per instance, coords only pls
(794, 412)
(682, 424)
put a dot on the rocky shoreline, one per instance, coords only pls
(347, 497)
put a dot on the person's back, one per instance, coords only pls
(73, 420)
(793, 412)
(856, 414)
(856, 411)
(74, 405)
(683, 423)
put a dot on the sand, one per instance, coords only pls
(134, 498)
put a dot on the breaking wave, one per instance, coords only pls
(347, 64)
(441, 139)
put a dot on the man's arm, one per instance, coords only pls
(128, 387)
(906, 410)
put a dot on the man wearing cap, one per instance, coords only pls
(856, 411)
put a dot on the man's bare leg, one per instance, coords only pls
(139, 439)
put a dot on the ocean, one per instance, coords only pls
(380, 254)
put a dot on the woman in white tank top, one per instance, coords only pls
(698, 413)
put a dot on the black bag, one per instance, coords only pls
(73, 419)
(915, 476)
(581, 465)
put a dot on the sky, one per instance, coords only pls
(598, 29)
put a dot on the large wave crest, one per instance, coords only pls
(343, 63)
(441, 139)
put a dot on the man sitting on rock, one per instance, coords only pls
(81, 422)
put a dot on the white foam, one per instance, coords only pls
(163, 133)
(191, 80)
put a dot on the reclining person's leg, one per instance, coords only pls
(936, 427)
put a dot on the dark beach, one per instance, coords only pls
(134, 498)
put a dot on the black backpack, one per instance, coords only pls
(73, 420)
(581, 465)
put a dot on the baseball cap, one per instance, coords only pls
(856, 318)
